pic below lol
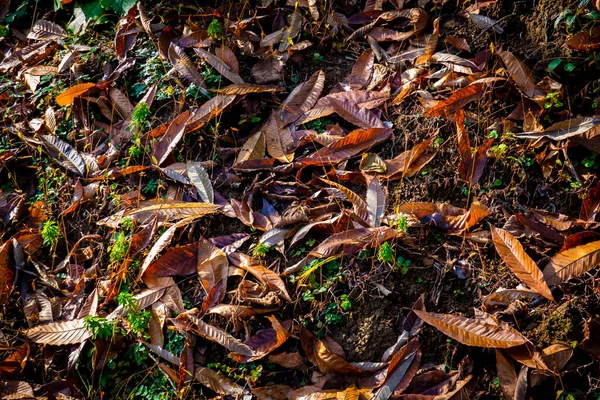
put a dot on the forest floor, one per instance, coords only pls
(311, 200)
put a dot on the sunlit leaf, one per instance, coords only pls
(67, 97)
(473, 332)
(517, 260)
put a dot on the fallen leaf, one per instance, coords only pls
(517, 260)
(572, 263)
(473, 332)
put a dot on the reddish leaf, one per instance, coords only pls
(522, 75)
(587, 39)
(327, 362)
(356, 142)
(589, 208)
(264, 342)
(302, 98)
(457, 100)
(171, 138)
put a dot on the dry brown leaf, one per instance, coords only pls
(572, 263)
(59, 333)
(327, 362)
(356, 142)
(473, 332)
(517, 260)
(302, 98)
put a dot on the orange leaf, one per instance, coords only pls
(67, 97)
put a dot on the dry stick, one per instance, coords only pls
(570, 165)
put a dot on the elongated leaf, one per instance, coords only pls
(65, 154)
(172, 211)
(515, 258)
(201, 180)
(253, 149)
(120, 103)
(219, 65)
(362, 70)
(457, 100)
(171, 138)
(302, 98)
(184, 65)
(241, 89)
(355, 143)
(208, 111)
(225, 54)
(572, 263)
(361, 117)
(215, 334)
(359, 205)
(59, 333)
(6, 270)
(46, 30)
(217, 383)
(402, 369)
(486, 23)
(67, 97)
(522, 75)
(473, 332)
(566, 129)
(363, 98)
(143, 299)
(279, 142)
(507, 376)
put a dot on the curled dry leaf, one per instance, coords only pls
(264, 342)
(171, 138)
(473, 332)
(327, 361)
(517, 260)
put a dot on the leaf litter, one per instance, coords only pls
(260, 202)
